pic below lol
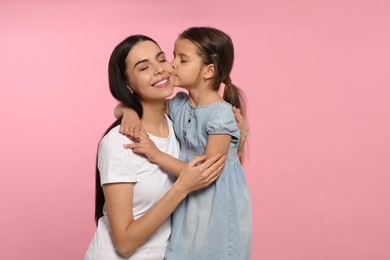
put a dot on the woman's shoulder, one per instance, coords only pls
(114, 137)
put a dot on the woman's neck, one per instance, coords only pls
(154, 120)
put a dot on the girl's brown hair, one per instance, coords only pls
(216, 47)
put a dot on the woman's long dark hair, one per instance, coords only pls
(118, 86)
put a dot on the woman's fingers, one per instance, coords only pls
(196, 160)
(213, 163)
(211, 169)
(209, 162)
(240, 120)
(214, 175)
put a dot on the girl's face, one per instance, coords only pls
(148, 72)
(187, 63)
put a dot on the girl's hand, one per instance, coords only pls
(200, 173)
(131, 124)
(145, 146)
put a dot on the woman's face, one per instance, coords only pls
(148, 72)
(187, 63)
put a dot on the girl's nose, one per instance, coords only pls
(173, 63)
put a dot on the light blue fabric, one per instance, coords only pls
(216, 222)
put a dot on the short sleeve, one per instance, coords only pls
(176, 103)
(115, 163)
(221, 121)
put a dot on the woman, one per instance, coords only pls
(134, 197)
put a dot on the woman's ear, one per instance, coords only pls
(131, 91)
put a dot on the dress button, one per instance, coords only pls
(189, 120)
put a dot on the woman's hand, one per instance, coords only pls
(145, 146)
(200, 173)
(244, 130)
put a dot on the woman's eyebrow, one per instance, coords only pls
(139, 62)
(160, 53)
(145, 60)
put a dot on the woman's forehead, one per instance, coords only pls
(143, 50)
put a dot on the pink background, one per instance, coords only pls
(316, 75)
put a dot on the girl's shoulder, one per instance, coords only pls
(220, 106)
(177, 104)
(180, 97)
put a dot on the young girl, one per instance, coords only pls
(135, 198)
(212, 223)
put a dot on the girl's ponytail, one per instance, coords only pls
(234, 95)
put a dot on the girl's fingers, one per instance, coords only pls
(134, 146)
(132, 132)
(143, 131)
(127, 146)
(136, 133)
(143, 135)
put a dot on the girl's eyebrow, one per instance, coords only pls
(145, 60)
(180, 54)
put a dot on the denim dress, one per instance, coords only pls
(215, 222)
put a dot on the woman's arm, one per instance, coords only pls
(244, 130)
(129, 234)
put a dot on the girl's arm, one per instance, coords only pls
(220, 130)
(131, 123)
(131, 127)
(147, 147)
(217, 143)
(129, 234)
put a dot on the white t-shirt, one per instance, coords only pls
(117, 164)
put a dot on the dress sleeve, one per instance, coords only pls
(176, 103)
(115, 163)
(221, 121)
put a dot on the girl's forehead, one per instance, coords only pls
(182, 44)
(183, 41)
